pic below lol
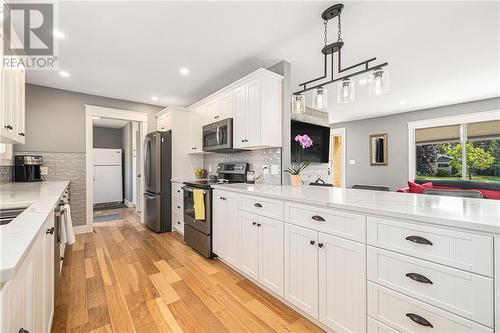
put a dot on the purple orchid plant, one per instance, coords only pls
(304, 142)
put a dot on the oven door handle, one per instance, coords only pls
(188, 189)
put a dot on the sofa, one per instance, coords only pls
(489, 189)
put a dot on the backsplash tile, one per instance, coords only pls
(5, 174)
(256, 158)
(68, 166)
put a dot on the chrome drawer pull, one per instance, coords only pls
(258, 205)
(419, 320)
(418, 277)
(419, 240)
(318, 218)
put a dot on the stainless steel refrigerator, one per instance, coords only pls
(157, 186)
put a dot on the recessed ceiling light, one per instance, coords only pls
(154, 98)
(402, 103)
(184, 71)
(362, 82)
(64, 73)
(58, 34)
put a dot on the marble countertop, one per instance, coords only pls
(472, 214)
(17, 237)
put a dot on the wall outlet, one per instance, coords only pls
(44, 170)
(265, 169)
(275, 169)
(352, 162)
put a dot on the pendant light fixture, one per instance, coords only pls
(345, 91)
(320, 98)
(298, 104)
(378, 80)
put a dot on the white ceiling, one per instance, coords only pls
(439, 53)
(109, 123)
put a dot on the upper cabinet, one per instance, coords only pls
(12, 99)
(254, 103)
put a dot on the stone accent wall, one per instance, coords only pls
(68, 166)
(256, 158)
(5, 174)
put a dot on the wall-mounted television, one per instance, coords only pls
(320, 135)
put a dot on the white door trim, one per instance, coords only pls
(341, 131)
(99, 111)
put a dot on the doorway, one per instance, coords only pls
(337, 153)
(113, 163)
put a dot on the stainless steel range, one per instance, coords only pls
(198, 233)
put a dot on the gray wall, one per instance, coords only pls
(110, 138)
(55, 119)
(126, 139)
(395, 174)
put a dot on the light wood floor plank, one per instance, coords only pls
(125, 278)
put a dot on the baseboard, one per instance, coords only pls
(128, 203)
(82, 229)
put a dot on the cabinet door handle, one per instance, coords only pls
(258, 205)
(9, 127)
(318, 218)
(320, 244)
(312, 242)
(178, 222)
(21, 134)
(254, 223)
(178, 191)
(418, 277)
(258, 224)
(50, 230)
(178, 207)
(419, 240)
(419, 320)
(22, 330)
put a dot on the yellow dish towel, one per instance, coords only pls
(199, 204)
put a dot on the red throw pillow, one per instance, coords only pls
(419, 188)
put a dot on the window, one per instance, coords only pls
(468, 151)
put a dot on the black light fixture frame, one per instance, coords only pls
(336, 47)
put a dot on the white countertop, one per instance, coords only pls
(465, 213)
(17, 236)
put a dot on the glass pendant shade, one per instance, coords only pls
(320, 98)
(298, 104)
(378, 82)
(345, 91)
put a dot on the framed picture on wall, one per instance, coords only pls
(378, 149)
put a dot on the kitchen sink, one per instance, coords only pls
(8, 214)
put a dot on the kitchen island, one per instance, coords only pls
(29, 260)
(366, 261)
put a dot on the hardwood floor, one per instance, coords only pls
(125, 278)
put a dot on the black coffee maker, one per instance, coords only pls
(27, 168)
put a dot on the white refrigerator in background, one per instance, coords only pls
(108, 179)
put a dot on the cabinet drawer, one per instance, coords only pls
(262, 206)
(177, 190)
(375, 326)
(406, 314)
(466, 294)
(467, 251)
(178, 223)
(178, 206)
(342, 224)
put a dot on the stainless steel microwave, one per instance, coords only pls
(218, 136)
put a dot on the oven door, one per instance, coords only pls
(218, 136)
(205, 226)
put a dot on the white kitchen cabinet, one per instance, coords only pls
(27, 301)
(301, 268)
(12, 104)
(249, 244)
(226, 105)
(342, 284)
(164, 122)
(210, 113)
(257, 112)
(226, 227)
(271, 254)
(194, 131)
